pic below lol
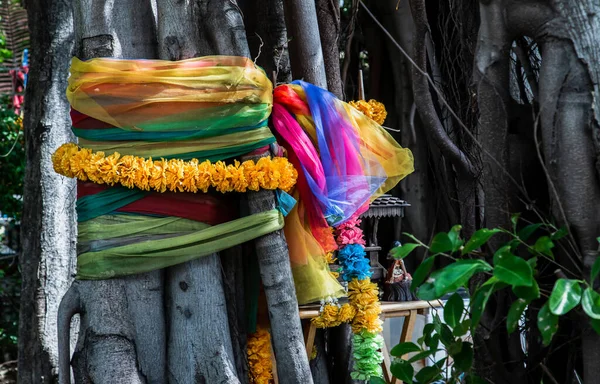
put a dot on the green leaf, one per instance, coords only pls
(547, 324)
(404, 348)
(528, 293)
(422, 355)
(445, 333)
(376, 380)
(480, 299)
(453, 310)
(514, 219)
(514, 314)
(427, 333)
(404, 250)
(525, 233)
(427, 374)
(562, 232)
(433, 342)
(427, 292)
(590, 301)
(462, 328)
(403, 370)
(595, 270)
(454, 348)
(533, 262)
(454, 236)
(457, 274)
(595, 325)
(544, 246)
(441, 243)
(478, 239)
(565, 296)
(501, 253)
(514, 271)
(463, 360)
(421, 272)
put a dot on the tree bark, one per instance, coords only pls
(200, 347)
(268, 39)
(306, 54)
(122, 332)
(328, 16)
(278, 282)
(48, 222)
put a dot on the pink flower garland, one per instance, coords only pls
(350, 233)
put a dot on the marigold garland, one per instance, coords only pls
(372, 109)
(173, 175)
(259, 357)
(332, 315)
(363, 296)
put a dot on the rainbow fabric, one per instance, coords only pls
(217, 108)
(344, 160)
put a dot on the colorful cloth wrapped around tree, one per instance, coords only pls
(158, 142)
(153, 138)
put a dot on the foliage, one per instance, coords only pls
(506, 271)
(12, 162)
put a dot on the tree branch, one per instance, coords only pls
(423, 99)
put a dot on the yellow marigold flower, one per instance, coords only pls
(158, 178)
(190, 174)
(250, 172)
(142, 173)
(259, 357)
(203, 178)
(127, 171)
(108, 168)
(219, 177)
(346, 313)
(174, 175)
(373, 109)
(92, 167)
(78, 162)
(363, 294)
(238, 177)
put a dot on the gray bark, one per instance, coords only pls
(48, 222)
(306, 55)
(200, 347)
(278, 282)
(267, 35)
(122, 332)
(328, 16)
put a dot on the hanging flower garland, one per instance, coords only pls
(259, 357)
(364, 308)
(363, 295)
(173, 175)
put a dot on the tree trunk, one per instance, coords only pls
(278, 282)
(200, 348)
(328, 16)
(48, 223)
(268, 39)
(122, 332)
(306, 55)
